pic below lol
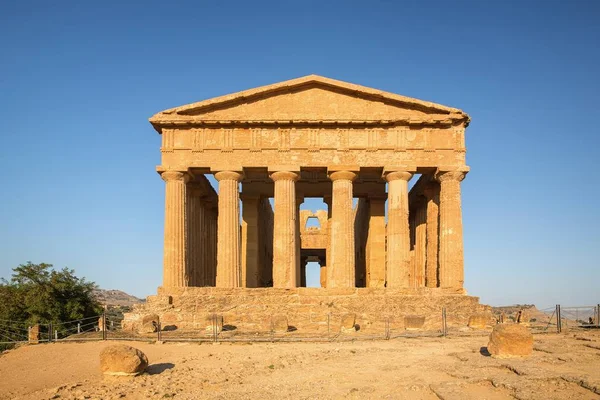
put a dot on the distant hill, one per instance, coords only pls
(116, 298)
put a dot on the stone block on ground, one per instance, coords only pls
(510, 340)
(348, 322)
(479, 321)
(280, 323)
(101, 323)
(34, 334)
(149, 323)
(414, 322)
(214, 322)
(122, 360)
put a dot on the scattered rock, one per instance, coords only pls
(122, 360)
(101, 323)
(34, 334)
(508, 340)
(149, 324)
(280, 323)
(414, 322)
(214, 322)
(348, 322)
(479, 321)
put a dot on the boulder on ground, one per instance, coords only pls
(348, 322)
(414, 322)
(214, 322)
(149, 324)
(122, 360)
(479, 321)
(280, 323)
(510, 340)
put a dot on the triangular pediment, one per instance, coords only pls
(309, 99)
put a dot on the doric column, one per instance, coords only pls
(299, 265)
(303, 264)
(375, 252)
(213, 237)
(340, 272)
(265, 254)
(196, 240)
(451, 256)
(228, 230)
(175, 273)
(420, 244)
(250, 241)
(398, 234)
(432, 193)
(327, 261)
(285, 231)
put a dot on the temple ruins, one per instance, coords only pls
(382, 248)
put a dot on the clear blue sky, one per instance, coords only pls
(78, 81)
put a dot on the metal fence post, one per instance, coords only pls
(79, 327)
(55, 335)
(558, 319)
(598, 315)
(50, 332)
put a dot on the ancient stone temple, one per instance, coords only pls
(382, 248)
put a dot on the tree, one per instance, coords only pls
(37, 293)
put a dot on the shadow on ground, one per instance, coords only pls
(484, 352)
(156, 369)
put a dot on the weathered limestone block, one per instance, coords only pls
(101, 323)
(348, 322)
(149, 324)
(279, 323)
(159, 300)
(213, 323)
(479, 321)
(169, 319)
(122, 360)
(509, 340)
(414, 322)
(34, 334)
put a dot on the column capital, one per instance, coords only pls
(442, 176)
(284, 176)
(396, 175)
(168, 176)
(229, 176)
(342, 175)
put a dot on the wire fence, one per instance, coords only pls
(334, 327)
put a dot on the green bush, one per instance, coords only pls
(37, 293)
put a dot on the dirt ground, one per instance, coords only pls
(565, 366)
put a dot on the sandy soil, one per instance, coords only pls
(562, 367)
